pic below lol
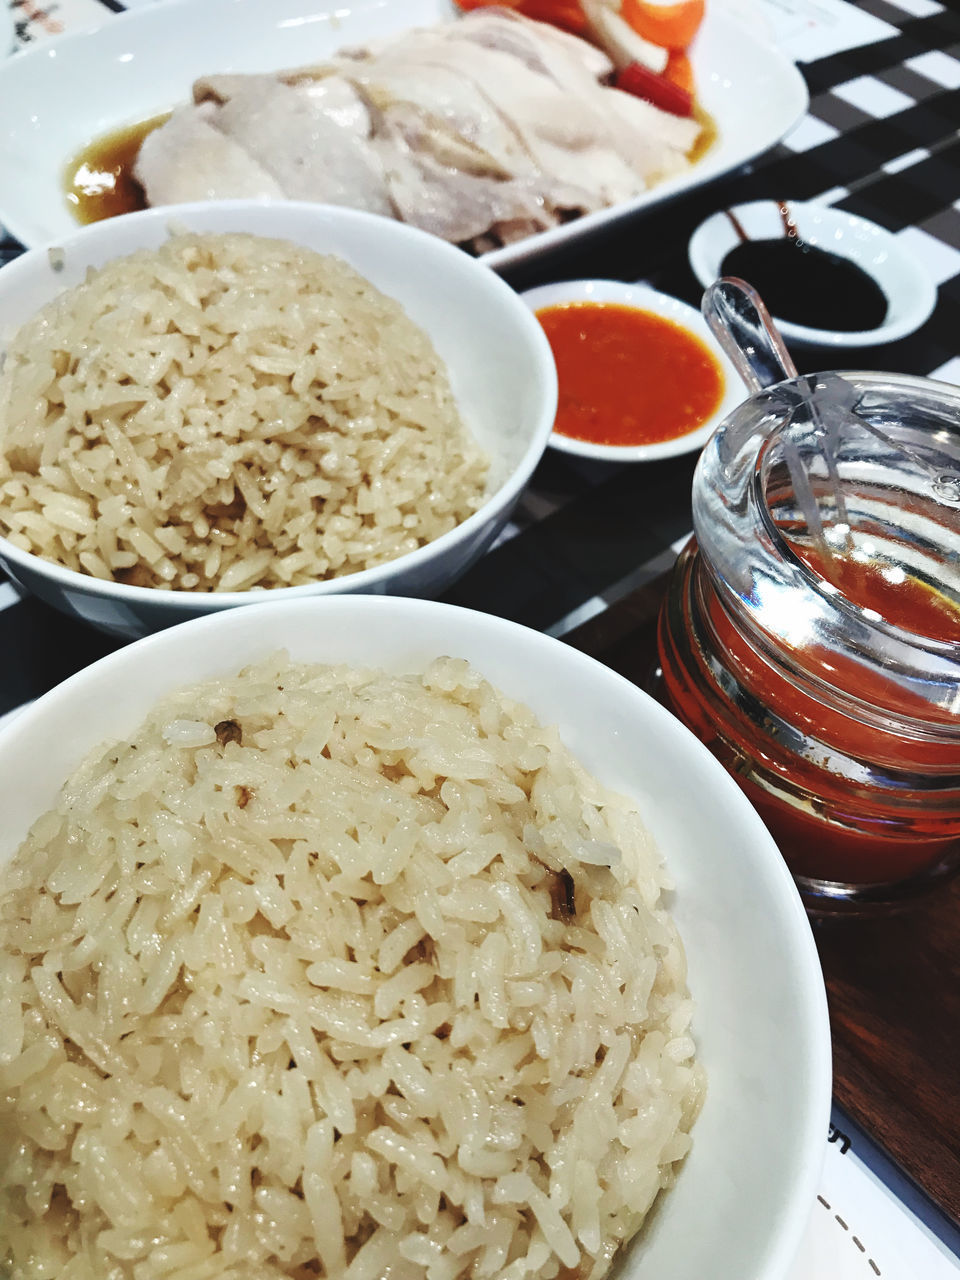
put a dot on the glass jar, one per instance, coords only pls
(811, 634)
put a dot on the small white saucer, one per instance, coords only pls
(911, 294)
(643, 298)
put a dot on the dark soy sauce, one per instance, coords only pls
(805, 285)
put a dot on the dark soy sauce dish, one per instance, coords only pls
(804, 284)
(827, 276)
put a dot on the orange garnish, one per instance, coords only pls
(672, 26)
(679, 71)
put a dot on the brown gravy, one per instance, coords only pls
(99, 182)
(708, 133)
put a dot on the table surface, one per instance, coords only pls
(589, 543)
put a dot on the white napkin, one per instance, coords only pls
(810, 29)
(861, 1230)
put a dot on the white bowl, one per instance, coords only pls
(746, 1192)
(911, 294)
(500, 364)
(660, 304)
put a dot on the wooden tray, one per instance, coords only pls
(893, 981)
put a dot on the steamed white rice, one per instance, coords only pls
(225, 413)
(328, 973)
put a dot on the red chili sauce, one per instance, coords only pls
(628, 377)
(901, 600)
(886, 847)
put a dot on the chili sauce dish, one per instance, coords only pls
(641, 376)
(828, 277)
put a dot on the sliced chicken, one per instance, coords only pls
(481, 131)
(530, 42)
(454, 205)
(220, 89)
(652, 141)
(316, 145)
(565, 137)
(189, 159)
(457, 86)
(648, 141)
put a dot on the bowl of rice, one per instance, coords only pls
(204, 404)
(371, 936)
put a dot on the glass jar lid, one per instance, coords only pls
(827, 510)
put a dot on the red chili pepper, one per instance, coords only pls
(646, 84)
(560, 13)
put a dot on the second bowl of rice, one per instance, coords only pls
(210, 404)
(361, 937)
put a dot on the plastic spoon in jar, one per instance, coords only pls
(743, 326)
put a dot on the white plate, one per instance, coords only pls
(8, 31)
(911, 294)
(57, 98)
(661, 304)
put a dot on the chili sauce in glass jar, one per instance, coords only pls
(811, 634)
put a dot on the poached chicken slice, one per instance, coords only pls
(188, 158)
(314, 142)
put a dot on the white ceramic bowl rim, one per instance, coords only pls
(365, 579)
(569, 684)
(706, 259)
(643, 297)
